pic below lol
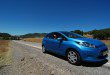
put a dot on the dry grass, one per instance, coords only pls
(37, 40)
(4, 52)
(4, 46)
(89, 36)
(107, 42)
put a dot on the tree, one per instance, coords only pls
(101, 35)
(78, 32)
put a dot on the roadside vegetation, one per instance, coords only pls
(5, 52)
(6, 36)
(103, 34)
(37, 40)
(107, 42)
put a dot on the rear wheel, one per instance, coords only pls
(73, 57)
(43, 49)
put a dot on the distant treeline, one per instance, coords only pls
(97, 34)
(102, 34)
(6, 36)
(33, 35)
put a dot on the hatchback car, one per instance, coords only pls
(75, 47)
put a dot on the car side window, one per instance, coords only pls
(47, 36)
(57, 35)
(50, 36)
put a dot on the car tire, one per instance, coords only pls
(43, 49)
(73, 57)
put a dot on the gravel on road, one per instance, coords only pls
(31, 61)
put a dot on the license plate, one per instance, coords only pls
(105, 53)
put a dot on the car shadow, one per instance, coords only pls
(94, 64)
(56, 55)
(85, 64)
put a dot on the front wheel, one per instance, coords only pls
(73, 57)
(43, 49)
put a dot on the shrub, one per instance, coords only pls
(78, 32)
(101, 35)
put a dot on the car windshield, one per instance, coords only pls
(72, 35)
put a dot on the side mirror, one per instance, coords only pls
(60, 39)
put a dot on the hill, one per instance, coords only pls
(7, 36)
(102, 34)
(40, 35)
(33, 35)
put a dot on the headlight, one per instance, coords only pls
(86, 44)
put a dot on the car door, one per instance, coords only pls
(52, 43)
(48, 41)
(58, 46)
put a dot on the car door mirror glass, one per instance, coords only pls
(59, 39)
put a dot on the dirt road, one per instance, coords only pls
(29, 60)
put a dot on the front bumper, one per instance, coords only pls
(94, 54)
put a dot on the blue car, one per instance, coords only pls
(74, 47)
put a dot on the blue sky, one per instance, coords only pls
(29, 16)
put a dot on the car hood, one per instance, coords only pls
(89, 40)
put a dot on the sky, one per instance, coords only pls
(19, 17)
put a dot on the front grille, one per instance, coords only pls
(102, 57)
